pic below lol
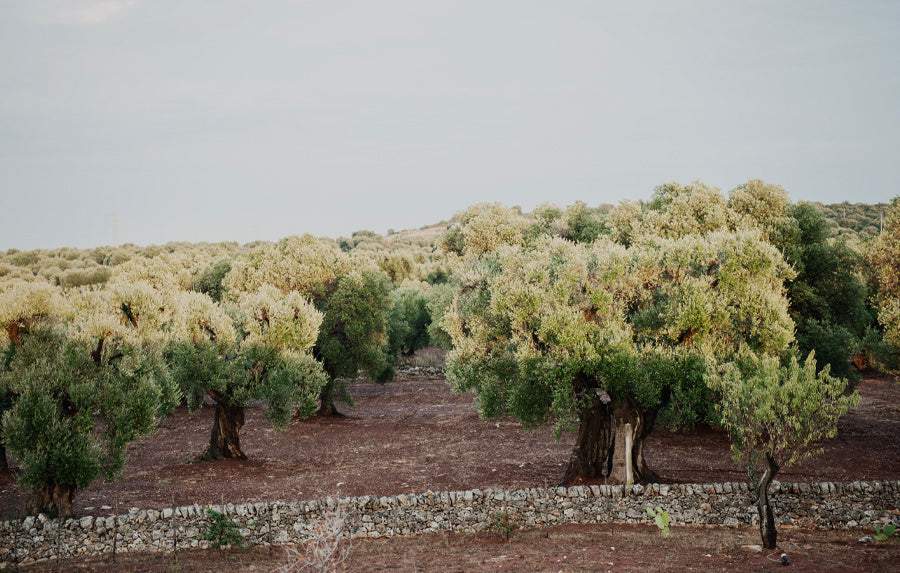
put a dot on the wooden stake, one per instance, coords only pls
(59, 523)
(16, 544)
(116, 528)
(174, 530)
(629, 475)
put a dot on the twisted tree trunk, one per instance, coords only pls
(326, 401)
(591, 450)
(225, 438)
(53, 499)
(766, 516)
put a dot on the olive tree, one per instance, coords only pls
(776, 411)
(353, 335)
(87, 380)
(602, 336)
(408, 321)
(266, 358)
(22, 305)
(353, 296)
(828, 297)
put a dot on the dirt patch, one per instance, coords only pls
(414, 435)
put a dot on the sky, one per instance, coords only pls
(153, 121)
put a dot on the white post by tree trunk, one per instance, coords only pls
(629, 472)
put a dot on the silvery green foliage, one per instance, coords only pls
(268, 358)
(884, 258)
(534, 328)
(353, 295)
(778, 410)
(76, 409)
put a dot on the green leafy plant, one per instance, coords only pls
(889, 531)
(505, 523)
(661, 519)
(222, 531)
(778, 412)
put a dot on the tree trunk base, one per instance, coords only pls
(55, 500)
(632, 424)
(225, 438)
(329, 411)
(591, 446)
(208, 456)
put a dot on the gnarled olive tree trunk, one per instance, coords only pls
(592, 445)
(631, 423)
(225, 438)
(611, 437)
(54, 499)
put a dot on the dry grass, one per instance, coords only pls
(431, 357)
(325, 551)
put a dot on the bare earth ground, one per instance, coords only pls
(413, 435)
(567, 548)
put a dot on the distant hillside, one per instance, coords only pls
(854, 220)
(426, 236)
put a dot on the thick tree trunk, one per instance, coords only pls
(766, 516)
(326, 401)
(225, 438)
(592, 445)
(640, 463)
(631, 424)
(4, 464)
(53, 499)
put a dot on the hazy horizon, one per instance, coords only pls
(253, 121)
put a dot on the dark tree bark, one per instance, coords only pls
(225, 439)
(631, 424)
(326, 401)
(646, 474)
(766, 516)
(4, 464)
(53, 499)
(592, 445)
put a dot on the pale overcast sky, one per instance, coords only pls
(240, 120)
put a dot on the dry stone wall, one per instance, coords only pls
(823, 505)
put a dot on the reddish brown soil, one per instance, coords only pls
(414, 434)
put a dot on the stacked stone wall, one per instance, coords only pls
(822, 505)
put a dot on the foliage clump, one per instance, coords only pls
(777, 411)
(221, 531)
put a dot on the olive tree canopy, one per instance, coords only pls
(353, 296)
(87, 378)
(604, 336)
